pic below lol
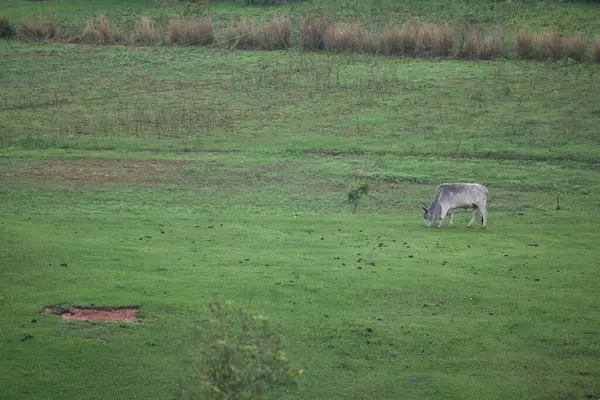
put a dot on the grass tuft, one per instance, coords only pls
(575, 46)
(275, 34)
(101, 31)
(480, 44)
(243, 35)
(597, 49)
(38, 27)
(144, 31)
(312, 31)
(525, 41)
(191, 31)
(345, 37)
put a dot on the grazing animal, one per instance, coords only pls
(450, 196)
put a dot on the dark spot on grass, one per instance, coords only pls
(33, 321)
(63, 264)
(26, 337)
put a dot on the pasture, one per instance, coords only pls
(168, 176)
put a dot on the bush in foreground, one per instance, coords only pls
(242, 359)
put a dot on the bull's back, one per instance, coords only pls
(462, 193)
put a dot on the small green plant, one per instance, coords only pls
(242, 359)
(355, 192)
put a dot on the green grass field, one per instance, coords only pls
(168, 176)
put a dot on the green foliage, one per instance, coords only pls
(6, 30)
(240, 362)
(355, 192)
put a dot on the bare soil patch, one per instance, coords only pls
(95, 314)
(96, 172)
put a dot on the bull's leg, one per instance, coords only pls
(442, 216)
(484, 215)
(473, 218)
(450, 218)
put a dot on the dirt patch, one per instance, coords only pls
(95, 314)
(94, 172)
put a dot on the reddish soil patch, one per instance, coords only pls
(92, 314)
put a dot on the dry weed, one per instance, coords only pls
(101, 31)
(38, 27)
(312, 31)
(525, 44)
(492, 44)
(348, 37)
(575, 46)
(549, 45)
(275, 34)
(243, 35)
(435, 40)
(144, 31)
(195, 32)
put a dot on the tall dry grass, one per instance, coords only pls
(101, 31)
(243, 35)
(479, 44)
(575, 46)
(525, 41)
(191, 31)
(38, 27)
(415, 39)
(345, 37)
(275, 34)
(597, 49)
(550, 45)
(312, 31)
(144, 31)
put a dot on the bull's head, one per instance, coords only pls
(429, 216)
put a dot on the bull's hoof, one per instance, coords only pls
(469, 226)
(483, 227)
(438, 227)
(450, 226)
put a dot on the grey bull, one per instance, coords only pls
(450, 196)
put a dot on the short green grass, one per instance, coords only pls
(166, 177)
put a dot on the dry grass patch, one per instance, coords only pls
(275, 34)
(144, 31)
(525, 41)
(478, 44)
(575, 46)
(101, 31)
(436, 40)
(348, 38)
(243, 35)
(549, 45)
(38, 27)
(312, 31)
(191, 31)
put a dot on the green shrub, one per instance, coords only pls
(242, 359)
